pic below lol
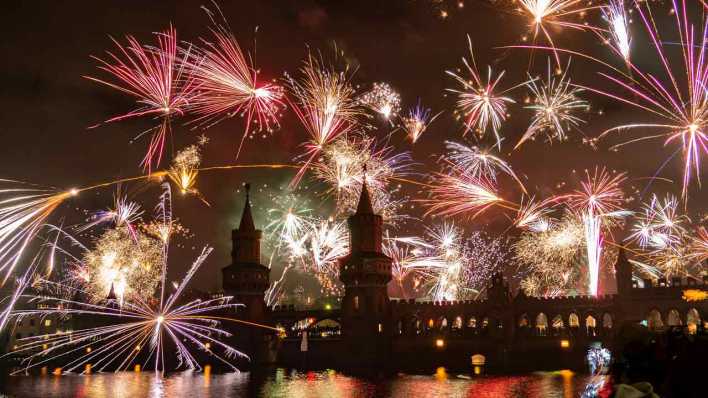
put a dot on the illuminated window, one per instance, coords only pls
(431, 323)
(673, 319)
(472, 323)
(356, 303)
(607, 321)
(557, 323)
(380, 328)
(654, 320)
(541, 324)
(573, 320)
(523, 321)
(693, 319)
(458, 323)
(47, 322)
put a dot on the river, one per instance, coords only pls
(294, 384)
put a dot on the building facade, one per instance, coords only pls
(503, 329)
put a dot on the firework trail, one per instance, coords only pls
(417, 122)
(676, 95)
(616, 16)
(23, 212)
(600, 197)
(544, 14)
(478, 163)
(156, 77)
(555, 103)
(228, 86)
(479, 103)
(139, 328)
(325, 106)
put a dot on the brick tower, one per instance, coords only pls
(365, 273)
(246, 278)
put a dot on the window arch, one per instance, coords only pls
(673, 318)
(693, 319)
(654, 320)
(485, 322)
(590, 325)
(457, 324)
(573, 320)
(472, 322)
(443, 323)
(607, 321)
(541, 324)
(558, 322)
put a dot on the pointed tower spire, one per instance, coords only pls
(112, 294)
(247, 224)
(364, 206)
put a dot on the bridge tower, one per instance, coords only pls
(365, 273)
(623, 274)
(246, 278)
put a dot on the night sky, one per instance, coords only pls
(46, 106)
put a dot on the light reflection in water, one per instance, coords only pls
(295, 384)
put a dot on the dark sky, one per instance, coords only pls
(46, 105)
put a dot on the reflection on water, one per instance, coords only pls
(291, 383)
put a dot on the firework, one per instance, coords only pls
(555, 104)
(348, 161)
(382, 99)
(556, 13)
(130, 266)
(324, 105)
(228, 86)
(156, 78)
(453, 266)
(600, 197)
(534, 215)
(184, 170)
(417, 122)
(123, 213)
(699, 246)
(616, 16)
(478, 163)
(659, 226)
(549, 257)
(460, 193)
(479, 103)
(23, 212)
(678, 98)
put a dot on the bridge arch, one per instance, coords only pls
(541, 324)
(654, 320)
(693, 320)
(673, 318)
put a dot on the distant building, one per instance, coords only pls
(504, 330)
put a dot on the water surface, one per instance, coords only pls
(295, 384)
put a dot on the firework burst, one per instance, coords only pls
(325, 106)
(417, 122)
(228, 86)
(479, 103)
(555, 104)
(156, 77)
(382, 99)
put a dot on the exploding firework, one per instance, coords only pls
(382, 99)
(478, 163)
(184, 170)
(324, 104)
(348, 161)
(417, 122)
(555, 104)
(124, 213)
(127, 263)
(553, 13)
(600, 199)
(228, 86)
(460, 193)
(659, 225)
(156, 77)
(479, 103)
(549, 257)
